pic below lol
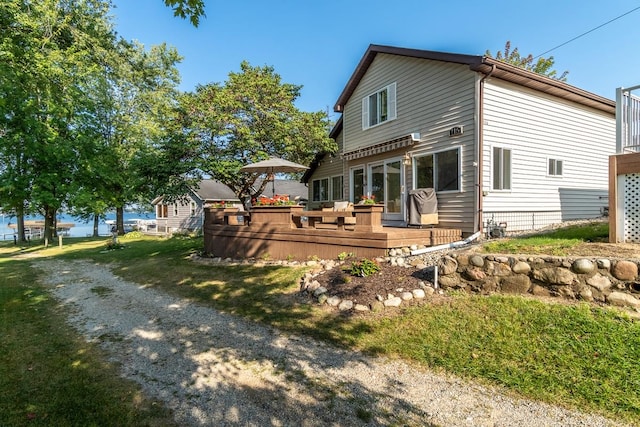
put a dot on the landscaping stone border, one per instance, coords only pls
(603, 280)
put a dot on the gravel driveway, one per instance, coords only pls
(213, 369)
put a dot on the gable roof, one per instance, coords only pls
(335, 131)
(209, 189)
(484, 65)
(284, 186)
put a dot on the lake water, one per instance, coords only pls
(80, 229)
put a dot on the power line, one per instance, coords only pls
(587, 32)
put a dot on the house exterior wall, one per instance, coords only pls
(330, 167)
(537, 127)
(181, 216)
(431, 98)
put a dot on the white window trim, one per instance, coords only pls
(414, 169)
(556, 160)
(391, 106)
(503, 147)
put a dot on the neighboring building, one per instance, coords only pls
(294, 189)
(495, 141)
(188, 214)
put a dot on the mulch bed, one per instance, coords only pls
(364, 290)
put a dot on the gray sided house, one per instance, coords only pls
(188, 214)
(496, 142)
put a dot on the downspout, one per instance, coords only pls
(480, 149)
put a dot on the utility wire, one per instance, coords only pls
(590, 31)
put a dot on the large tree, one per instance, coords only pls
(251, 117)
(539, 65)
(48, 50)
(78, 108)
(138, 99)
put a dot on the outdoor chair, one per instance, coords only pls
(331, 223)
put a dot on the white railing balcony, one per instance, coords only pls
(627, 120)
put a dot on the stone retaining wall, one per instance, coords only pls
(610, 281)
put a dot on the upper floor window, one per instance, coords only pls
(379, 107)
(501, 168)
(440, 171)
(162, 211)
(193, 209)
(555, 167)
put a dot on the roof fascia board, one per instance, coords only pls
(483, 65)
(541, 83)
(374, 50)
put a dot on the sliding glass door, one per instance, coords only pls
(386, 184)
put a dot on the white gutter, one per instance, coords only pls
(448, 246)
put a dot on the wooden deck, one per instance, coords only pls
(289, 238)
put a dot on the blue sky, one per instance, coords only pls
(318, 44)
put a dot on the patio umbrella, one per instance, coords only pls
(272, 166)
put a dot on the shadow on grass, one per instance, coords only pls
(49, 375)
(204, 360)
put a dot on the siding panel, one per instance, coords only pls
(432, 97)
(537, 127)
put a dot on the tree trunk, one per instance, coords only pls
(20, 225)
(96, 222)
(120, 220)
(49, 224)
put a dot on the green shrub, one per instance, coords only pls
(365, 267)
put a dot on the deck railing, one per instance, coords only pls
(627, 120)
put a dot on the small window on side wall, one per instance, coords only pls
(501, 163)
(554, 167)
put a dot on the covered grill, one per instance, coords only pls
(423, 207)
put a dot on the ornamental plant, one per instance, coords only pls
(221, 204)
(368, 200)
(277, 200)
(365, 267)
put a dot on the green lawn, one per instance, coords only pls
(574, 355)
(48, 374)
(556, 242)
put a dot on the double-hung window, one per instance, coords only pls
(336, 187)
(554, 167)
(162, 211)
(501, 168)
(379, 107)
(440, 171)
(320, 189)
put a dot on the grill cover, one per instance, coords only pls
(422, 202)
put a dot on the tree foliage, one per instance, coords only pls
(191, 9)
(251, 117)
(78, 108)
(90, 122)
(542, 66)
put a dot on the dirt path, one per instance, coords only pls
(214, 369)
